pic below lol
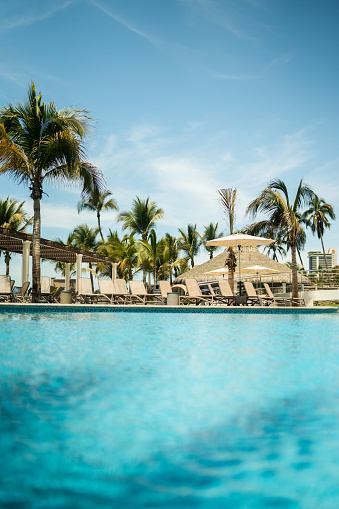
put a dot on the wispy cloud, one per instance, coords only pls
(120, 19)
(22, 17)
(183, 172)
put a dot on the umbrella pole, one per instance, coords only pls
(239, 272)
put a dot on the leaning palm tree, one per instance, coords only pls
(190, 242)
(210, 233)
(40, 144)
(142, 217)
(97, 202)
(315, 217)
(228, 201)
(284, 216)
(13, 217)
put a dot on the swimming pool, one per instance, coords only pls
(169, 410)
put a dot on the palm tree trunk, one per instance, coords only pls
(144, 239)
(295, 294)
(301, 262)
(36, 286)
(99, 225)
(7, 259)
(91, 274)
(322, 243)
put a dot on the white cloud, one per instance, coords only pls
(182, 172)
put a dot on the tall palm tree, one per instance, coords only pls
(210, 233)
(96, 203)
(228, 201)
(190, 242)
(13, 217)
(84, 237)
(315, 217)
(143, 216)
(284, 216)
(40, 144)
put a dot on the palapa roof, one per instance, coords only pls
(11, 241)
(249, 257)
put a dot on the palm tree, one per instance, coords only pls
(96, 202)
(190, 242)
(84, 237)
(61, 266)
(315, 217)
(124, 250)
(284, 216)
(13, 217)
(151, 251)
(40, 144)
(210, 233)
(228, 201)
(170, 255)
(143, 216)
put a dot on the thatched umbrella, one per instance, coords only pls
(250, 256)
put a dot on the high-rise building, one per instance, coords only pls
(316, 259)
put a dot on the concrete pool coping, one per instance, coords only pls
(6, 307)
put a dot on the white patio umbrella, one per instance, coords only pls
(239, 240)
(258, 269)
(217, 272)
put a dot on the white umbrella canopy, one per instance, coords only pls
(239, 240)
(258, 269)
(217, 272)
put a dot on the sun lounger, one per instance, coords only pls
(106, 287)
(85, 292)
(122, 295)
(138, 290)
(5, 288)
(194, 294)
(226, 291)
(251, 295)
(22, 296)
(287, 301)
(165, 288)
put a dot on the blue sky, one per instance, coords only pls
(188, 96)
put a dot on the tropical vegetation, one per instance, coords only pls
(40, 144)
(284, 217)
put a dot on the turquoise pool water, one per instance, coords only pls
(169, 410)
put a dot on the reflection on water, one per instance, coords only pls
(146, 412)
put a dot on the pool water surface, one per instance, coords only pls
(169, 410)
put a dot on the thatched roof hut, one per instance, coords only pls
(250, 256)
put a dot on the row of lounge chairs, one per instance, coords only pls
(116, 292)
